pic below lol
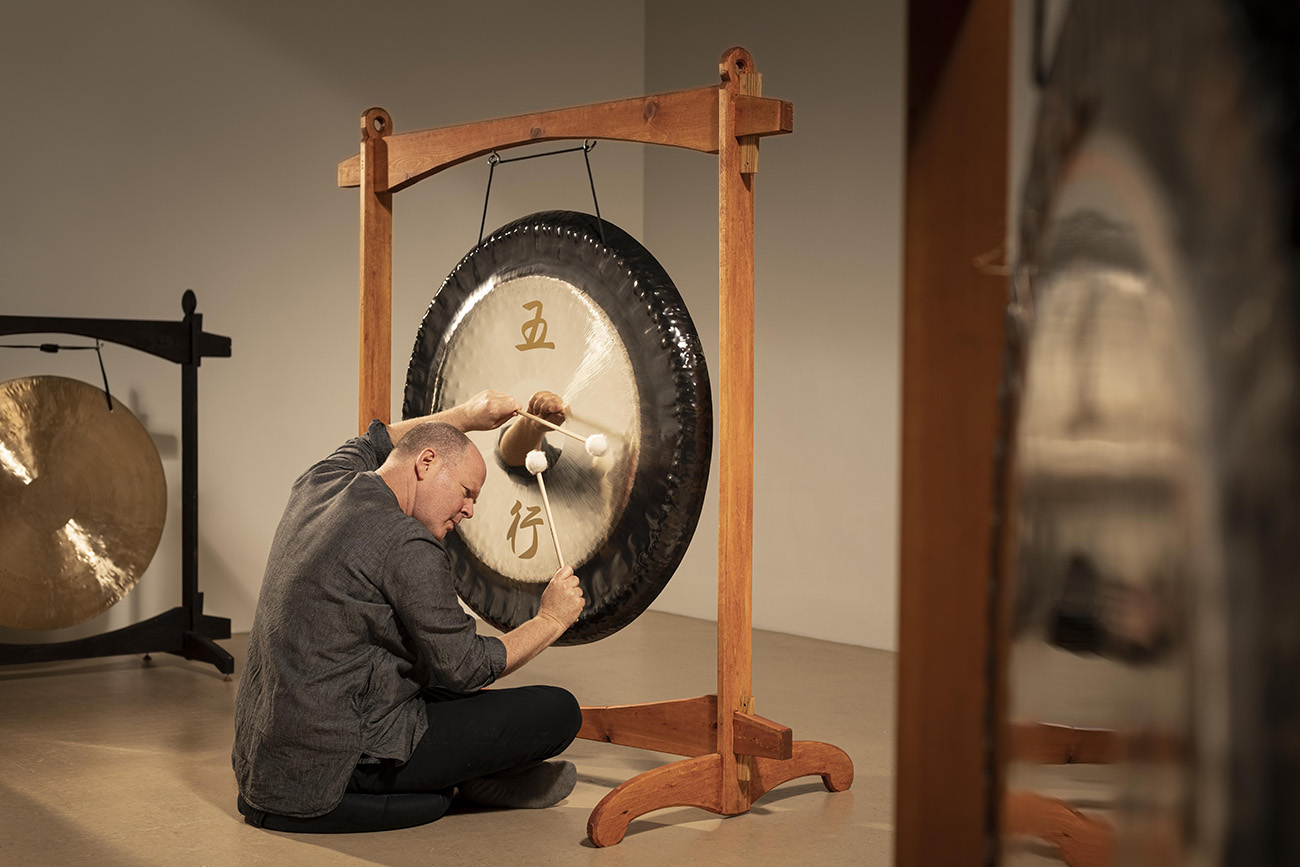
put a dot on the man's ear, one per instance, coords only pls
(424, 463)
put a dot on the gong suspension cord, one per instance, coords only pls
(55, 347)
(495, 159)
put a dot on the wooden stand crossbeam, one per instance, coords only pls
(734, 756)
(388, 163)
(685, 119)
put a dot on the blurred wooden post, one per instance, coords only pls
(955, 213)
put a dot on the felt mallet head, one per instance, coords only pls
(597, 445)
(535, 462)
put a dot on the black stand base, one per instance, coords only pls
(168, 632)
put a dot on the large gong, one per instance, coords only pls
(546, 303)
(83, 500)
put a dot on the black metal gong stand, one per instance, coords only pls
(185, 631)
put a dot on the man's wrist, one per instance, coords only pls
(456, 416)
(559, 624)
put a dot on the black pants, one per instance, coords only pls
(491, 733)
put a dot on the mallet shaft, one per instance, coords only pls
(539, 419)
(550, 522)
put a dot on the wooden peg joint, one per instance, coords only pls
(375, 123)
(735, 62)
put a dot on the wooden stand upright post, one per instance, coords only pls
(733, 755)
(747, 754)
(375, 305)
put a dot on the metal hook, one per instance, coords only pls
(107, 394)
(53, 349)
(495, 159)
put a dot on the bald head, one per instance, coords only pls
(447, 442)
(436, 474)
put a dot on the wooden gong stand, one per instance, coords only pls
(734, 756)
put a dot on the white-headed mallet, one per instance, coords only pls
(596, 444)
(535, 462)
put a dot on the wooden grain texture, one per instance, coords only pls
(687, 119)
(736, 432)
(682, 727)
(757, 736)
(688, 783)
(749, 84)
(375, 306)
(808, 758)
(955, 200)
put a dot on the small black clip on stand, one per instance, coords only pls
(185, 631)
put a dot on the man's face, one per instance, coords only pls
(446, 494)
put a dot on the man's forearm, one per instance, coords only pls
(519, 439)
(484, 411)
(454, 417)
(529, 639)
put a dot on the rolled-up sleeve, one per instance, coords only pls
(445, 637)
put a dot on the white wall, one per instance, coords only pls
(828, 218)
(159, 145)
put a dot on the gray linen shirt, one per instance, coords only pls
(356, 614)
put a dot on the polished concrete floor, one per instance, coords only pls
(121, 763)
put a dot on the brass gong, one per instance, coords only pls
(547, 303)
(82, 502)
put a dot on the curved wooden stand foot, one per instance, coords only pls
(697, 782)
(829, 762)
(690, 783)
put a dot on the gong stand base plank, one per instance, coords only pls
(764, 751)
(185, 630)
(685, 727)
(698, 782)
